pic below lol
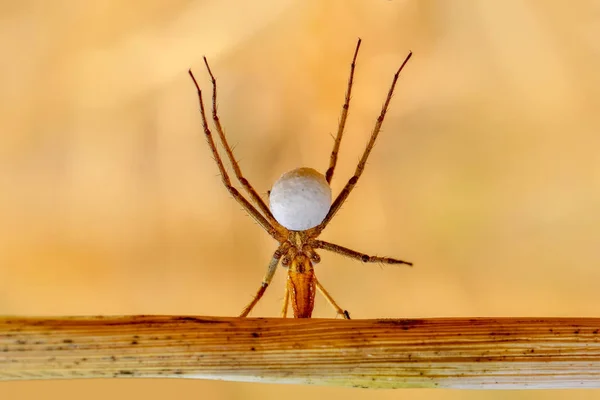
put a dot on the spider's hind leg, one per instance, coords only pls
(331, 301)
(286, 302)
(267, 279)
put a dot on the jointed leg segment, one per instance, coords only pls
(236, 168)
(327, 296)
(361, 164)
(344, 116)
(286, 301)
(321, 244)
(260, 219)
(281, 250)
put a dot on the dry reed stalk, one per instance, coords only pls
(445, 353)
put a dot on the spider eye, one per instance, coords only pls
(315, 258)
(300, 199)
(285, 261)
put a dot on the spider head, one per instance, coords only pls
(300, 199)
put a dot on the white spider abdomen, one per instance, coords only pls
(300, 199)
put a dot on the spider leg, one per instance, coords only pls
(331, 301)
(281, 250)
(286, 301)
(344, 116)
(321, 244)
(361, 164)
(262, 221)
(236, 168)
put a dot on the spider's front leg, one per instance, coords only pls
(363, 161)
(236, 167)
(338, 138)
(274, 231)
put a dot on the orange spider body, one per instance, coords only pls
(296, 249)
(301, 286)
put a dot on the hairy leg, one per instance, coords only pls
(281, 250)
(225, 178)
(286, 301)
(344, 116)
(363, 161)
(320, 244)
(236, 168)
(331, 301)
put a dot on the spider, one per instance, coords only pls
(300, 208)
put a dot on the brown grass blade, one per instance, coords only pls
(448, 353)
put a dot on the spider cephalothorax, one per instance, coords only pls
(299, 208)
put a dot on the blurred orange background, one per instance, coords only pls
(486, 174)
